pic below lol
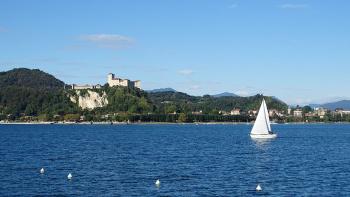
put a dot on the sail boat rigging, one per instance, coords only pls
(262, 127)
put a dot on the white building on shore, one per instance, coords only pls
(298, 113)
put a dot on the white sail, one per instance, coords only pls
(262, 122)
(267, 116)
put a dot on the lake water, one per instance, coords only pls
(189, 160)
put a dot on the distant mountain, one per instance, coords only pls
(224, 94)
(344, 104)
(314, 105)
(161, 90)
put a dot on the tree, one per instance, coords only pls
(182, 117)
(72, 117)
(306, 109)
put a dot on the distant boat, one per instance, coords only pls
(69, 177)
(262, 128)
(258, 188)
(157, 182)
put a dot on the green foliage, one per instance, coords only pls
(123, 99)
(43, 117)
(31, 93)
(306, 109)
(83, 93)
(34, 95)
(182, 117)
(23, 77)
(72, 117)
(167, 102)
(177, 117)
(2, 117)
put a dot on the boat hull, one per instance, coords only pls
(263, 136)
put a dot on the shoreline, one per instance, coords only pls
(161, 123)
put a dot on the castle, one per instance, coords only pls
(112, 81)
(84, 87)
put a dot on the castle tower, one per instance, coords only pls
(289, 110)
(112, 81)
(110, 77)
(137, 84)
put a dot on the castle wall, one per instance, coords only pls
(85, 87)
(112, 81)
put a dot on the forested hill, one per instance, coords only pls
(23, 77)
(31, 93)
(169, 101)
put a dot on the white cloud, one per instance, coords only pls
(113, 41)
(294, 6)
(186, 72)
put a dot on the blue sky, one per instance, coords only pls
(298, 51)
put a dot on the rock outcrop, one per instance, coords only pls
(90, 99)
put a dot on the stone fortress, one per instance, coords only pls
(84, 87)
(112, 81)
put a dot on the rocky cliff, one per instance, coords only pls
(89, 99)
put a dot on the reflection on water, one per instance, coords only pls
(262, 144)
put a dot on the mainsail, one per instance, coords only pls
(262, 122)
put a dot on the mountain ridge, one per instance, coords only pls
(343, 104)
(161, 90)
(224, 94)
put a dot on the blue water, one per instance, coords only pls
(189, 160)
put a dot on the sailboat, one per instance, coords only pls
(262, 128)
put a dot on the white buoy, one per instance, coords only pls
(258, 188)
(69, 176)
(42, 171)
(157, 182)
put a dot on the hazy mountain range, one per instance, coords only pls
(224, 94)
(344, 104)
(161, 90)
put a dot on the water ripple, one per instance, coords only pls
(190, 160)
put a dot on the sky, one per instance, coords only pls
(296, 50)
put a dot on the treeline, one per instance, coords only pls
(169, 102)
(170, 118)
(25, 92)
(30, 95)
(329, 117)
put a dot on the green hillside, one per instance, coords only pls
(167, 102)
(31, 93)
(25, 92)
(23, 77)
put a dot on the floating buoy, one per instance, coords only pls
(69, 176)
(42, 171)
(157, 182)
(258, 188)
